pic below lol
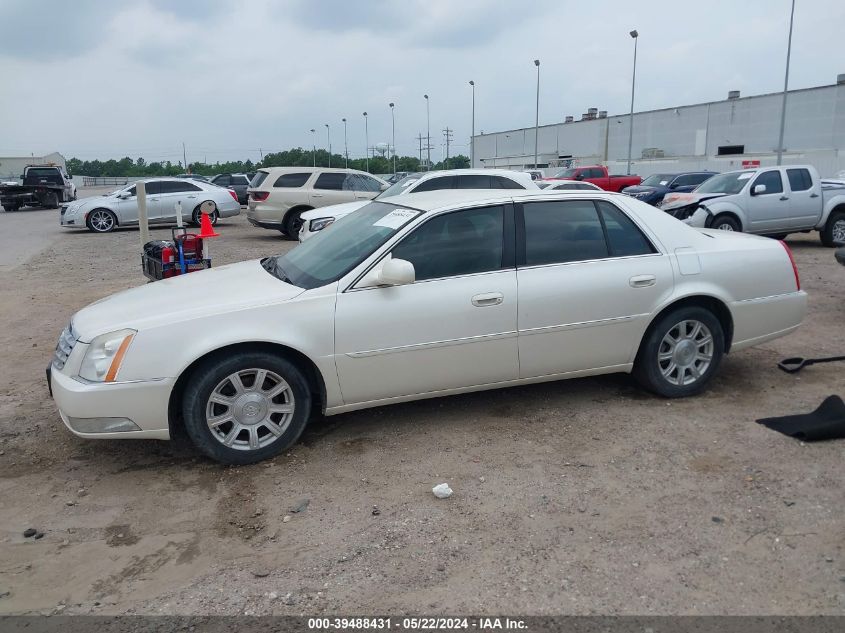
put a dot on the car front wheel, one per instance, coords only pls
(726, 223)
(246, 407)
(680, 353)
(101, 221)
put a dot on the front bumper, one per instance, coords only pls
(88, 406)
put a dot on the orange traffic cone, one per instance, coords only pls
(206, 230)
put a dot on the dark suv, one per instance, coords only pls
(653, 188)
(238, 183)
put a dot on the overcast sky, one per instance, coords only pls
(100, 79)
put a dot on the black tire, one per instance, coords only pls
(650, 370)
(195, 217)
(833, 227)
(725, 222)
(50, 200)
(101, 221)
(292, 223)
(208, 378)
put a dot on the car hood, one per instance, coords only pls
(204, 293)
(677, 200)
(334, 211)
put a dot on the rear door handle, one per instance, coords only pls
(642, 281)
(488, 299)
(316, 195)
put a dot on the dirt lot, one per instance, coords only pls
(584, 497)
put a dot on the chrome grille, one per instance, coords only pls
(65, 345)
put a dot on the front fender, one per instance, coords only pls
(718, 206)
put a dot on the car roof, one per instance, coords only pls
(313, 169)
(443, 199)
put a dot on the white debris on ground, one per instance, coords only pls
(442, 491)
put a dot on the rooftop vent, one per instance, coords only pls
(602, 114)
(733, 94)
(569, 119)
(840, 79)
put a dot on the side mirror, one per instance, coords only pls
(580, 177)
(758, 189)
(123, 195)
(396, 272)
(383, 187)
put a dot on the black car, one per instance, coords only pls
(238, 183)
(653, 188)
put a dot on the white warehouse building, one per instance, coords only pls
(718, 136)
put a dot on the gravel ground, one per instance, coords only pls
(579, 497)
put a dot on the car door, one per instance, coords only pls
(127, 209)
(805, 202)
(768, 211)
(184, 191)
(454, 327)
(589, 282)
(330, 187)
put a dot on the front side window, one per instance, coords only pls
(457, 243)
(596, 173)
(772, 180)
(223, 181)
(331, 181)
(285, 180)
(562, 231)
(500, 182)
(435, 184)
(799, 179)
(400, 186)
(474, 181)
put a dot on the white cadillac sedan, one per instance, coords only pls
(442, 293)
(103, 214)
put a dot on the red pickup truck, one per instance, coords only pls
(597, 175)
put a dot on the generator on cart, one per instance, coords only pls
(185, 253)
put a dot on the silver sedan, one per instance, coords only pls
(102, 214)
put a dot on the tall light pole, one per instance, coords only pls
(367, 141)
(472, 138)
(329, 142)
(785, 85)
(314, 145)
(634, 35)
(345, 146)
(427, 134)
(537, 113)
(393, 125)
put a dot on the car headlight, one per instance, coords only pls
(319, 224)
(104, 356)
(684, 212)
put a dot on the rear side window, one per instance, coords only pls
(799, 179)
(178, 186)
(623, 236)
(239, 180)
(223, 181)
(500, 182)
(333, 181)
(772, 180)
(562, 231)
(365, 183)
(435, 184)
(473, 181)
(285, 180)
(150, 188)
(259, 177)
(458, 243)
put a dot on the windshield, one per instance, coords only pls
(399, 187)
(566, 173)
(730, 183)
(657, 180)
(337, 249)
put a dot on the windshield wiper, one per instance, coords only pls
(271, 265)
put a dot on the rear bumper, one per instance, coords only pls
(88, 406)
(759, 320)
(265, 224)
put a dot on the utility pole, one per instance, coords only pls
(537, 113)
(329, 142)
(635, 35)
(314, 145)
(261, 153)
(427, 133)
(420, 139)
(367, 141)
(393, 127)
(184, 157)
(785, 85)
(345, 145)
(472, 138)
(447, 133)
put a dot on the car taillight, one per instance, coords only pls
(233, 194)
(794, 266)
(259, 196)
(167, 255)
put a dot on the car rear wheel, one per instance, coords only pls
(725, 223)
(246, 407)
(833, 234)
(101, 221)
(213, 216)
(680, 353)
(292, 224)
(51, 200)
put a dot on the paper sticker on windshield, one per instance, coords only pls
(663, 183)
(397, 218)
(745, 176)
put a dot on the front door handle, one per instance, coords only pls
(191, 196)
(784, 198)
(488, 299)
(814, 195)
(642, 281)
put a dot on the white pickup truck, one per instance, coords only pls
(773, 201)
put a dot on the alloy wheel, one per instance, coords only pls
(250, 409)
(725, 227)
(101, 221)
(685, 353)
(839, 231)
